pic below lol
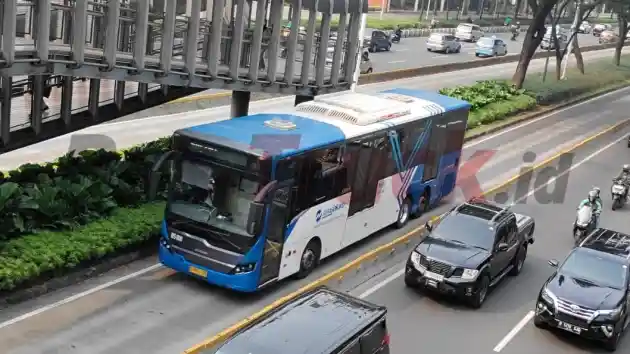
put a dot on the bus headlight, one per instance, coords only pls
(244, 268)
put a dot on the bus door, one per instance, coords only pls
(367, 160)
(278, 219)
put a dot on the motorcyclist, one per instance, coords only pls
(592, 201)
(398, 32)
(624, 176)
(598, 198)
(516, 29)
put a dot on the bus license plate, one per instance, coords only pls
(569, 327)
(196, 271)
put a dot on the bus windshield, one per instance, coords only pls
(212, 194)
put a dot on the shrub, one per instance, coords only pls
(75, 189)
(500, 110)
(483, 93)
(46, 254)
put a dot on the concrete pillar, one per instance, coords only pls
(240, 103)
(188, 7)
(302, 98)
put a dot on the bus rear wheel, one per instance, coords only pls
(309, 259)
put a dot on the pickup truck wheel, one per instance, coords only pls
(477, 300)
(519, 261)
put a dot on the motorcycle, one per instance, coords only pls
(584, 223)
(619, 193)
(514, 35)
(396, 38)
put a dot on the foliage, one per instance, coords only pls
(46, 254)
(500, 110)
(74, 190)
(483, 93)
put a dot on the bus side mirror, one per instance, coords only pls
(254, 218)
(155, 175)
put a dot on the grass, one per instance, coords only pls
(598, 75)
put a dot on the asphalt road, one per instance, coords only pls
(412, 52)
(422, 319)
(154, 310)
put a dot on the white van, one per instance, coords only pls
(468, 32)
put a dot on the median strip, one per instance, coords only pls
(414, 72)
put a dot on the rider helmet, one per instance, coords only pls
(596, 190)
(626, 168)
(592, 196)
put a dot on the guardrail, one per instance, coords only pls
(436, 69)
(425, 32)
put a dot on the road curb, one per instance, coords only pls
(388, 247)
(524, 117)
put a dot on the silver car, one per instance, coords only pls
(440, 42)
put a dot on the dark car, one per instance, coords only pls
(378, 41)
(322, 321)
(588, 293)
(470, 249)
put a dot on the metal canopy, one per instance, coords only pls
(243, 45)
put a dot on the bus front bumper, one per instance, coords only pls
(246, 282)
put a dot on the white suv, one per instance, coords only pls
(468, 32)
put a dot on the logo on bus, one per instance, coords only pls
(325, 213)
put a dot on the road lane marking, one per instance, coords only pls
(158, 265)
(519, 326)
(78, 296)
(396, 61)
(394, 276)
(226, 333)
(401, 50)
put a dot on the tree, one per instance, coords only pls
(534, 35)
(622, 9)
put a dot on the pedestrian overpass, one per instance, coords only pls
(164, 49)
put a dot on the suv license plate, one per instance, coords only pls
(569, 327)
(434, 276)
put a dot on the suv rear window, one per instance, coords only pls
(437, 37)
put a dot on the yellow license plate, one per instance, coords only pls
(197, 271)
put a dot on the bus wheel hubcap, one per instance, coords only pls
(308, 259)
(404, 213)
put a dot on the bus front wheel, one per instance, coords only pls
(309, 259)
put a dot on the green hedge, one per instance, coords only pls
(483, 93)
(46, 254)
(74, 190)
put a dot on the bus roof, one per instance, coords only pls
(325, 120)
(312, 323)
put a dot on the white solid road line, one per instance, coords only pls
(527, 317)
(367, 292)
(396, 61)
(78, 296)
(519, 326)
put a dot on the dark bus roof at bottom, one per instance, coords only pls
(312, 324)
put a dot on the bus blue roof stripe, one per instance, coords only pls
(448, 103)
(252, 131)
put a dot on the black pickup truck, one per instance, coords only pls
(470, 249)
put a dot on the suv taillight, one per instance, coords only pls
(385, 339)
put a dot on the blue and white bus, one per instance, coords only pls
(259, 198)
